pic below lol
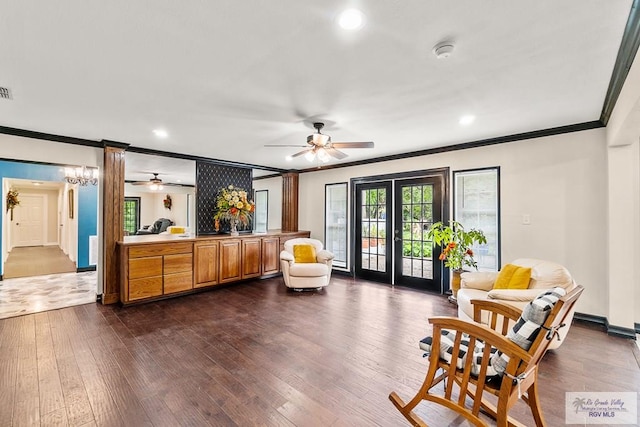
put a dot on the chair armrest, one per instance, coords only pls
(479, 331)
(324, 256)
(514, 294)
(500, 308)
(286, 256)
(482, 280)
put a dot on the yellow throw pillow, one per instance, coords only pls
(177, 230)
(513, 277)
(304, 253)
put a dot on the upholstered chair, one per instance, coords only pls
(305, 265)
(484, 286)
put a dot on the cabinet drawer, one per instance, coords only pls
(178, 263)
(145, 267)
(145, 288)
(178, 282)
(160, 249)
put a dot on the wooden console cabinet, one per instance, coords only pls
(159, 266)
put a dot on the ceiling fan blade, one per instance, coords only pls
(285, 145)
(367, 144)
(335, 153)
(300, 153)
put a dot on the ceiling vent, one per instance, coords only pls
(5, 93)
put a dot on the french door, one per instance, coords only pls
(373, 220)
(392, 218)
(418, 204)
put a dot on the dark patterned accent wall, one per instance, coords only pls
(210, 178)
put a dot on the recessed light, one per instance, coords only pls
(467, 120)
(160, 133)
(288, 158)
(351, 19)
(36, 183)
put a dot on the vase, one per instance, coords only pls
(455, 285)
(234, 226)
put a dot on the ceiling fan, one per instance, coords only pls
(321, 146)
(154, 183)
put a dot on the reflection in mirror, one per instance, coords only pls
(173, 198)
(262, 211)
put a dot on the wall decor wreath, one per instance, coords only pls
(167, 202)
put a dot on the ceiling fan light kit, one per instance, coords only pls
(321, 147)
(154, 183)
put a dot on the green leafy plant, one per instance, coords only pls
(456, 244)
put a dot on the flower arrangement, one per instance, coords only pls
(167, 202)
(456, 244)
(232, 204)
(12, 199)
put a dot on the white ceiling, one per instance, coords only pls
(224, 78)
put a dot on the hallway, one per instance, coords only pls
(37, 261)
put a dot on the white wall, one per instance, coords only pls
(560, 181)
(274, 186)
(623, 136)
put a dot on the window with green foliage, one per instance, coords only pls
(417, 217)
(477, 203)
(131, 215)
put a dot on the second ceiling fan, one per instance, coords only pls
(320, 146)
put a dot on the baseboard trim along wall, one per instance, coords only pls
(613, 330)
(83, 269)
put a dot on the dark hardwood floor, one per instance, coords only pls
(257, 354)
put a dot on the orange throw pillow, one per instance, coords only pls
(513, 277)
(304, 253)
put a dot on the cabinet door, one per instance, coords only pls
(270, 255)
(206, 264)
(251, 258)
(230, 261)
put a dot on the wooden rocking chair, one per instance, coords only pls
(520, 376)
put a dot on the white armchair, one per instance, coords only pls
(305, 275)
(544, 275)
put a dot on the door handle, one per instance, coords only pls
(397, 239)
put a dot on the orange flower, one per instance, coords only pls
(469, 252)
(233, 211)
(451, 245)
(442, 257)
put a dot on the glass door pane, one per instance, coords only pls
(373, 219)
(418, 206)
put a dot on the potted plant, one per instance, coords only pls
(456, 243)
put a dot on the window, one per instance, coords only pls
(131, 215)
(262, 211)
(476, 205)
(335, 222)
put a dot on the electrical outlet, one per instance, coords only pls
(526, 219)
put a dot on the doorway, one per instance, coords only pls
(418, 205)
(392, 217)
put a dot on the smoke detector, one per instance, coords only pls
(443, 50)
